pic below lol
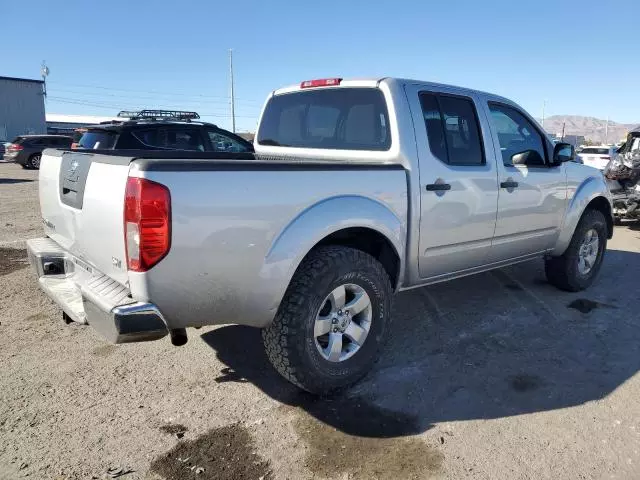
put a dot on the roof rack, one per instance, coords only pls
(159, 115)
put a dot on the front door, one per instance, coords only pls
(532, 196)
(458, 182)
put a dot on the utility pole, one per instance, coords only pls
(44, 71)
(562, 139)
(606, 132)
(233, 103)
(544, 104)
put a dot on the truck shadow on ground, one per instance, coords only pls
(11, 181)
(493, 345)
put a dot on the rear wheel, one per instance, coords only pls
(34, 161)
(576, 269)
(333, 320)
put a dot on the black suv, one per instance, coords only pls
(27, 149)
(162, 130)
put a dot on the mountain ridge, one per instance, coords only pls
(592, 128)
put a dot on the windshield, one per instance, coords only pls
(336, 118)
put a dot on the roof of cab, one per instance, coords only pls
(375, 82)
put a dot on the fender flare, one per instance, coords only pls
(319, 221)
(588, 190)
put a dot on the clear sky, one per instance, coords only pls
(579, 56)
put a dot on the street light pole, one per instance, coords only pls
(544, 104)
(233, 103)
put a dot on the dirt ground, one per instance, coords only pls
(496, 376)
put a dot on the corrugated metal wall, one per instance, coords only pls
(21, 108)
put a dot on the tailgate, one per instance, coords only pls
(82, 200)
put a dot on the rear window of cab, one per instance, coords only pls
(331, 118)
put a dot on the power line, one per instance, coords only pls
(111, 106)
(142, 97)
(149, 91)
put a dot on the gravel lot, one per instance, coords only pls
(496, 376)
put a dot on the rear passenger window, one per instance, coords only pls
(171, 139)
(97, 140)
(452, 129)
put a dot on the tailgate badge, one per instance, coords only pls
(73, 167)
(116, 262)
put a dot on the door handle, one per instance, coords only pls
(438, 187)
(509, 184)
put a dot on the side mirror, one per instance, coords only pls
(563, 152)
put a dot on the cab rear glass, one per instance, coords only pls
(331, 118)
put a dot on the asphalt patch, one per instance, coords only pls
(525, 383)
(226, 453)
(104, 350)
(584, 305)
(12, 259)
(176, 429)
(364, 441)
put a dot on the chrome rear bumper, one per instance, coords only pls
(87, 296)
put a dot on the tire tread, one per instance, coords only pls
(283, 339)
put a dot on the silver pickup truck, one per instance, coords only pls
(358, 189)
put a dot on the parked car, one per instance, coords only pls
(598, 156)
(358, 189)
(162, 130)
(27, 149)
(2, 149)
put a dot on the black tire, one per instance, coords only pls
(563, 271)
(34, 161)
(289, 341)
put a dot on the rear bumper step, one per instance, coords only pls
(87, 296)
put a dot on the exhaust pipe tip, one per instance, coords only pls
(178, 336)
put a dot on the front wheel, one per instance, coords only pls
(578, 266)
(332, 321)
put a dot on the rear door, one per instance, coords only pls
(532, 195)
(458, 181)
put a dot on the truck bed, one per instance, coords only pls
(234, 222)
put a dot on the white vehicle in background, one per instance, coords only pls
(598, 156)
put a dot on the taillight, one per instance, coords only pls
(14, 147)
(321, 82)
(147, 223)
